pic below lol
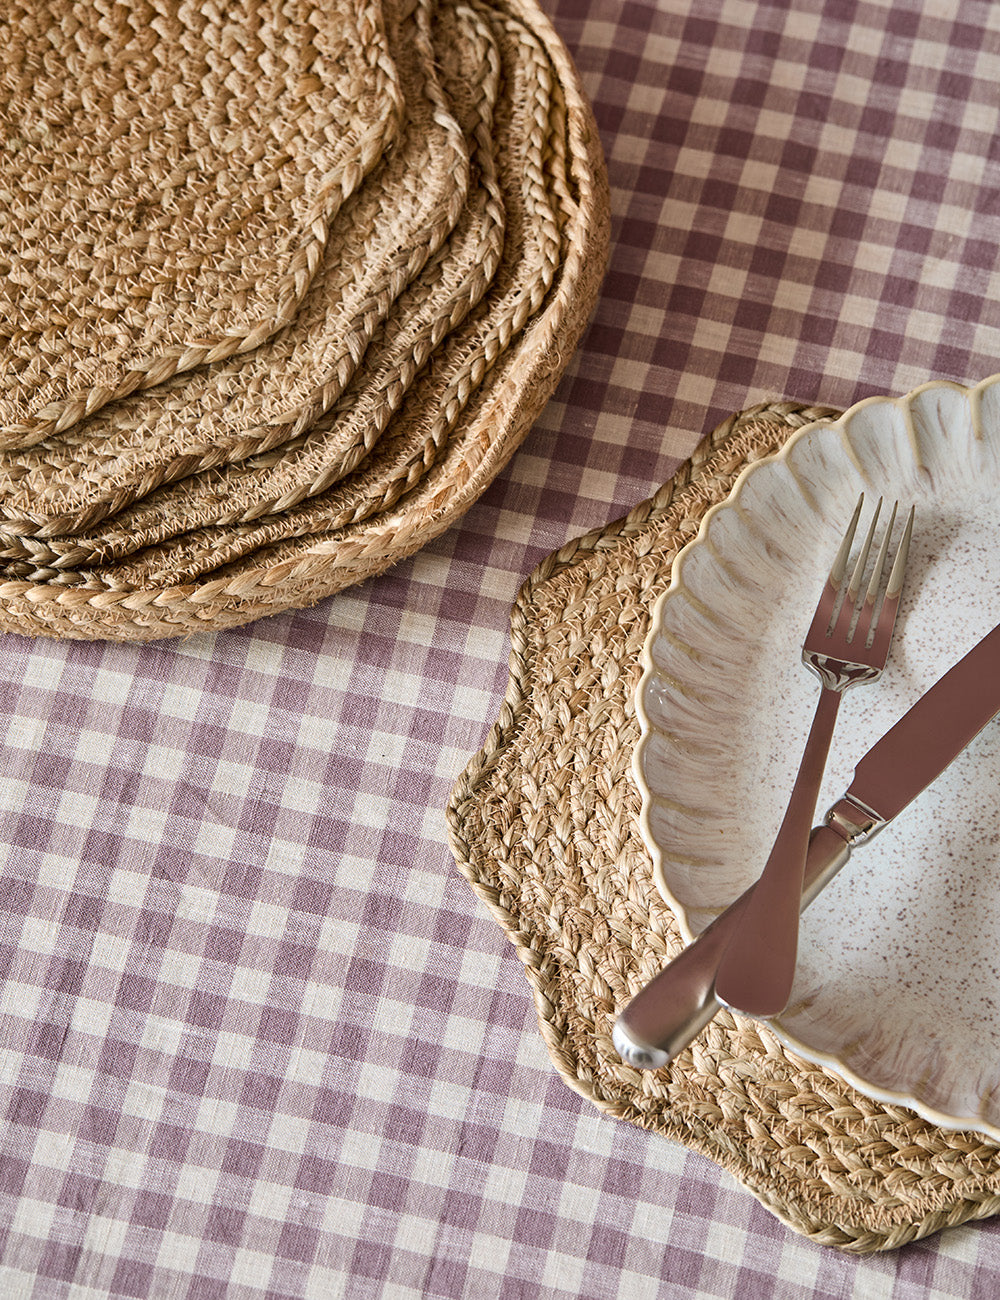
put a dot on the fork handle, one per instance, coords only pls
(757, 968)
(672, 1009)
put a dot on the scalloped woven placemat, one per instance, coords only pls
(169, 176)
(543, 823)
(252, 403)
(454, 423)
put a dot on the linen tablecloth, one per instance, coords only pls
(259, 1041)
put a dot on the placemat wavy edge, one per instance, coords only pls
(958, 1186)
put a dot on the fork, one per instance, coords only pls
(846, 645)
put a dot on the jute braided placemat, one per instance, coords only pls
(455, 423)
(271, 486)
(248, 404)
(543, 823)
(429, 409)
(169, 176)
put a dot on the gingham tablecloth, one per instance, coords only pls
(258, 1040)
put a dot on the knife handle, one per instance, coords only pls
(674, 1007)
(757, 969)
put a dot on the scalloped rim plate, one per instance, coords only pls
(898, 984)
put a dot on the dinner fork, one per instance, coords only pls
(847, 645)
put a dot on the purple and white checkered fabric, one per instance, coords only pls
(258, 1039)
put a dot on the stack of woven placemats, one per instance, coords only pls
(283, 289)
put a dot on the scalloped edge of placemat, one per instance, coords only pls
(930, 1178)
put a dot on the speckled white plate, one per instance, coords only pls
(898, 983)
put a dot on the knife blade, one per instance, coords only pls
(663, 1018)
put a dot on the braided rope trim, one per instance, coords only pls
(490, 420)
(548, 842)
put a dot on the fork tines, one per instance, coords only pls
(842, 613)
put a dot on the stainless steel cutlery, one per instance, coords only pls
(677, 1003)
(847, 645)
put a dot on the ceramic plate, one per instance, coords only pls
(898, 983)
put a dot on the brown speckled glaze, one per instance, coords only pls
(898, 982)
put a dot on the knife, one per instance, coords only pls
(679, 1002)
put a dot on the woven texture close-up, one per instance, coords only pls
(169, 180)
(254, 403)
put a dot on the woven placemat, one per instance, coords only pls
(431, 407)
(458, 422)
(271, 483)
(251, 403)
(169, 179)
(543, 823)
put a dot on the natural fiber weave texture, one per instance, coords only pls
(454, 423)
(249, 404)
(544, 825)
(274, 484)
(169, 174)
(429, 410)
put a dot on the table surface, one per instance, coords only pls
(259, 1039)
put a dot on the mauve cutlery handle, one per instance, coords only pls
(673, 1008)
(756, 972)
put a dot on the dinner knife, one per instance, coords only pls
(679, 1002)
